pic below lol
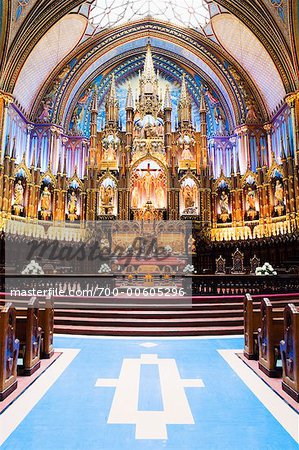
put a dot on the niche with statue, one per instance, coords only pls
(73, 201)
(46, 199)
(223, 203)
(20, 193)
(251, 206)
(278, 194)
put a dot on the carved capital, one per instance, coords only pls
(64, 140)
(29, 127)
(8, 98)
(291, 98)
(268, 127)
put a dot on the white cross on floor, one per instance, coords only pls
(150, 424)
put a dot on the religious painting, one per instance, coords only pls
(223, 203)
(189, 197)
(107, 198)
(148, 186)
(251, 199)
(73, 202)
(279, 200)
(46, 199)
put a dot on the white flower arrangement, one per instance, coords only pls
(189, 268)
(104, 269)
(33, 268)
(129, 250)
(168, 249)
(266, 269)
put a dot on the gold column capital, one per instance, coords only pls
(291, 98)
(7, 97)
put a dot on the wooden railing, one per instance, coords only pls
(202, 285)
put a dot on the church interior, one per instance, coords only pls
(149, 224)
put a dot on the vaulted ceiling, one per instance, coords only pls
(240, 49)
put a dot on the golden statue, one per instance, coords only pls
(279, 204)
(251, 204)
(72, 207)
(46, 203)
(187, 154)
(110, 154)
(107, 196)
(19, 198)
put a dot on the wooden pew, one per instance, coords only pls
(29, 334)
(252, 322)
(289, 349)
(9, 351)
(46, 322)
(252, 319)
(269, 336)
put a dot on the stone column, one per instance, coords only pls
(5, 100)
(293, 102)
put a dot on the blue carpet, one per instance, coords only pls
(73, 414)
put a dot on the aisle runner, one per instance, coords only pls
(136, 394)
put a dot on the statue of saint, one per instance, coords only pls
(279, 195)
(107, 195)
(45, 202)
(72, 207)
(223, 203)
(160, 196)
(19, 198)
(135, 197)
(19, 194)
(251, 203)
(279, 204)
(110, 154)
(46, 199)
(187, 154)
(250, 199)
(189, 202)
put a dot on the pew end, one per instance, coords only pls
(251, 321)
(269, 336)
(46, 321)
(29, 334)
(9, 351)
(289, 348)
